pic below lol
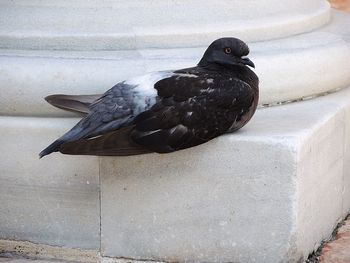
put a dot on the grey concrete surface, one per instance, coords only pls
(53, 200)
(280, 180)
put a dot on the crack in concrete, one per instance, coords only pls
(100, 202)
(107, 259)
(306, 98)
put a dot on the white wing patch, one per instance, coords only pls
(144, 92)
(143, 87)
(145, 83)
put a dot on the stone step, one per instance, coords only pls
(269, 192)
(336, 250)
(289, 69)
(115, 25)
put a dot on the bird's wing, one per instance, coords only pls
(192, 112)
(189, 112)
(74, 103)
(115, 109)
(115, 143)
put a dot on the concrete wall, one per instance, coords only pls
(51, 201)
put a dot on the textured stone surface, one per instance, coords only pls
(102, 260)
(24, 260)
(277, 181)
(26, 249)
(321, 161)
(197, 204)
(53, 200)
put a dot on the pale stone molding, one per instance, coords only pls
(113, 25)
(289, 69)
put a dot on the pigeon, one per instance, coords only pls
(165, 111)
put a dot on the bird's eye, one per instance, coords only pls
(227, 50)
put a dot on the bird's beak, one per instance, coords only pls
(248, 62)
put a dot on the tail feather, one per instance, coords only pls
(76, 133)
(53, 147)
(75, 103)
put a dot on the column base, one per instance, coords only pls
(270, 192)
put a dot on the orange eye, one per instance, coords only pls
(228, 50)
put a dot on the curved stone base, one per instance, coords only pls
(116, 25)
(269, 192)
(289, 69)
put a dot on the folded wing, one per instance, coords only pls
(177, 121)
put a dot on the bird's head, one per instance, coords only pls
(227, 51)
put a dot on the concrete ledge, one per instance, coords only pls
(269, 193)
(52, 201)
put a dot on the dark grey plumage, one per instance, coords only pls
(165, 111)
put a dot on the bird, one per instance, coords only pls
(165, 111)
